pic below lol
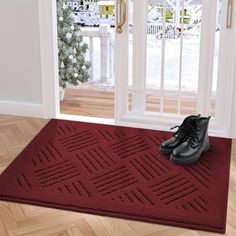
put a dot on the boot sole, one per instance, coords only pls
(191, 159)
(165, 152)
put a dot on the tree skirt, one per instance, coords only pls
(118, 171)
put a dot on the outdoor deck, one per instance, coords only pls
(85, 102)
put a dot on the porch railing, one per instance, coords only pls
(106, 48)
(104, 33)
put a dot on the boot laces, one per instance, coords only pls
(183, 130)
(193, 138)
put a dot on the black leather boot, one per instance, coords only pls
(197, 143)
(179, 136)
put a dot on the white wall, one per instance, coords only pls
(20, 62)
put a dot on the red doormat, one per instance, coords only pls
(117, 171)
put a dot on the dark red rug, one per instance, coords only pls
(118, 171)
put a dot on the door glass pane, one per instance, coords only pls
(180, 47)
(153, 103)
(170, 104)
(172, 63)
(191, 45)
(154, 44)
(173, 49)
(188, 105)
(173, 39)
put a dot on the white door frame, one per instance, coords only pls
(218, 126)
(226, 73)
(50, 85)
(49, 57)
(49, 65)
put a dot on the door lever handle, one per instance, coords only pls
(229, 14)
(120, 15)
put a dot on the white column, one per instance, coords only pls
(105, 37)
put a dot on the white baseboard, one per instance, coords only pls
(21, 109)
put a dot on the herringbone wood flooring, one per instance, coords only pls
(27, 220)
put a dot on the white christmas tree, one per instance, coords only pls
(73, 67)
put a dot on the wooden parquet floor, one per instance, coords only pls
(20, 219)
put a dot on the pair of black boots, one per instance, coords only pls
(189, 142)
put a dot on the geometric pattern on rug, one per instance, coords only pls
(118, 171)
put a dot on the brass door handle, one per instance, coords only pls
(120, 15)
(229, 14)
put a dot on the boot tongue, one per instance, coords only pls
(188, 124)
(191, 121)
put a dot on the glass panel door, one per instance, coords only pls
(168, 52)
